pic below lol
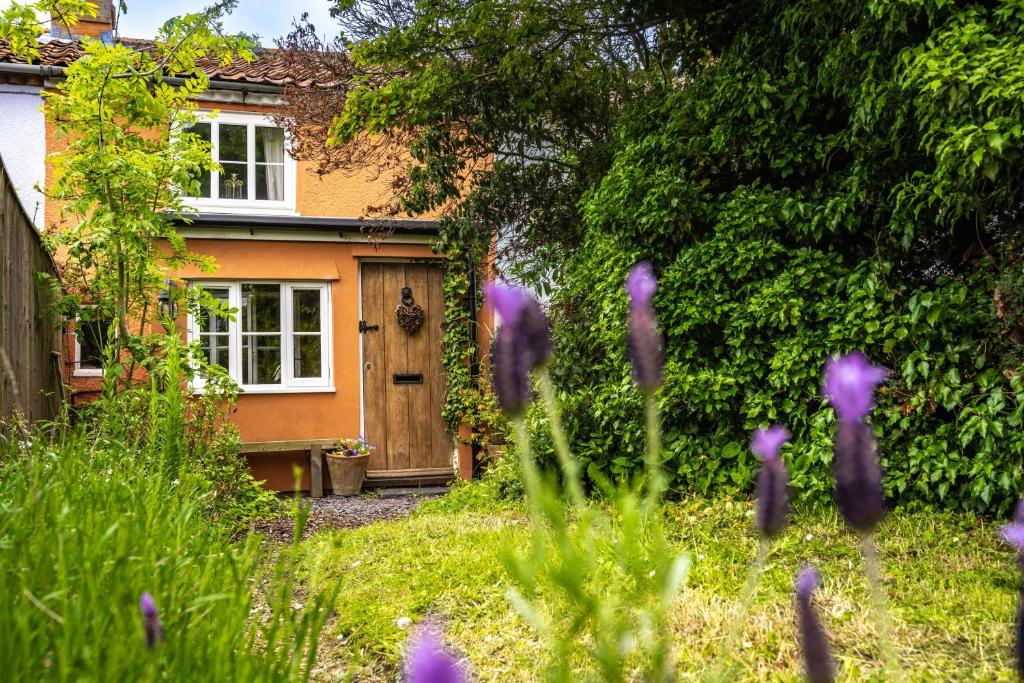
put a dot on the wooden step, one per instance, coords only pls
(419, 477)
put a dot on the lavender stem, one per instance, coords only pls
(873, 567)
(655, 477)
(531, 478)
(570, 468)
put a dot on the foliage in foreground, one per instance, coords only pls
(93, 517)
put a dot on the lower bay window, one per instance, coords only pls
(279, 339)
(91, 338)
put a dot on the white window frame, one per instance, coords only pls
(218, 205)
(289, 383)
(79, 371)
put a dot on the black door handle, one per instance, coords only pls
(363, 327)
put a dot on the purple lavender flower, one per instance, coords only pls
(850, 382)
(511, 371)
(150, 620)
(644, 340)
(523, 343)
(818, 662)
(1013, 533)
(429, 663)
(858, 477)
(771, 480)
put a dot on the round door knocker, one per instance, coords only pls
(409, 313)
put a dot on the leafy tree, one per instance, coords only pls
(124, 161)
(504, 109)
(829, 176)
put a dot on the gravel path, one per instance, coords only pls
(346, 512)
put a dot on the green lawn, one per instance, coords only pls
(952, 587)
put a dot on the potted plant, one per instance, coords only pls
(348, 464)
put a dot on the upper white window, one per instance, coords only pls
(256, 170)
(279, 340)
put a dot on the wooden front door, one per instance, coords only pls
(403, 380)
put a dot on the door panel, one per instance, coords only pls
(374, 396)
(419, 362)
(396, 360)
(404, 419)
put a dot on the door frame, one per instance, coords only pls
(362, 335)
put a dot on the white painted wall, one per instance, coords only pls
(23, 145)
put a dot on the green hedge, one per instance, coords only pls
(843, 175)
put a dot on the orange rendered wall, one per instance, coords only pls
(341, 194)
(287, 416)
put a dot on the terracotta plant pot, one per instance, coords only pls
(347, 473)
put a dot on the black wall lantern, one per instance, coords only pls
(168, 307)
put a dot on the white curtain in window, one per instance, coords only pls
(273, 151)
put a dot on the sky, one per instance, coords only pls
(269, 19)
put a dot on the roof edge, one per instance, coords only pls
(56, 71)
(411, 226)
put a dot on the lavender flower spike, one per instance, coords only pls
(818, 662)
(858, 477)
(772, 480)
(1013, 533)
(428, 663)
(850, 382)
(523, 343)
(644, 340)
(150, 620)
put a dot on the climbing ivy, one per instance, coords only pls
(468, 400)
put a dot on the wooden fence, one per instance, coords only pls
(30, 331)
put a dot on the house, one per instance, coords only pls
(316, 345)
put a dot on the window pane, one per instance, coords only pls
(209, 322)
(216, 348)
(233, 143)
(307, 356)
(269, 144)
(261, 359)
(234, 181)
(270, 182)
(261, 308)
(202, 130)
(305, 310)
(92, 338)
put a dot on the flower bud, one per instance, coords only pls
(850, 382)
(858, 477)
(1013, 534)
(428, 663)
(772, 481)
(523, 343)
(644, 340)
(511, 371)
(819, 664)
(154, 630)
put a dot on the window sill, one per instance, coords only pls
(87, 373)
(242, 207)
(243, 391)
